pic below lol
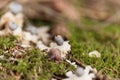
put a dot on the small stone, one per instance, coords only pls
(15, 7)
(12, 25)
(54, 54)
(59, 40)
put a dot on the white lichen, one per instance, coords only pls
(43, 33)
(83, 74)
(94, 54)
(42, 46)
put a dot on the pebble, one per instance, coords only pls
(59, 40)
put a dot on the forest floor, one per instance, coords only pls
(36, 64)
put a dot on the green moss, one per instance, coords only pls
(34, 62)
(106, 42)
(7, 42)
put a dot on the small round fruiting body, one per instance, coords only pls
(12, 25)
(59, 40)
(15, 7)
(54, 54)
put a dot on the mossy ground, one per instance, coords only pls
(35, 63)
(106, 40)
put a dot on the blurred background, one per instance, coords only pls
(61, 12)
(60, 15)
(88, 25)
(72, 10)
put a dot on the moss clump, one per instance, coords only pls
(106, 40)
(7, 42)
(33, 64)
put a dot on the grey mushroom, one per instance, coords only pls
(12, 26)
(59, 40)
(15, 7)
